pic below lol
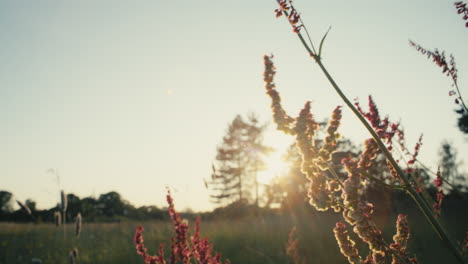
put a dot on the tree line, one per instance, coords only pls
(107, 207)
(234, 187)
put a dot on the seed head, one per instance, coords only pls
(78, 225)
(57, 218)
(282, 120)
(346, 244)
(63, 201)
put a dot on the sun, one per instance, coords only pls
(275, 164)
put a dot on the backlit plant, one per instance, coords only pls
(184, 248)
(346, 195)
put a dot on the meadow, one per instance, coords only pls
(252, 239)
(375, 205)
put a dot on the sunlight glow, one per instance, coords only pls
(275, 164)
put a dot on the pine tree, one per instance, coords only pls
(238, 159)
(449, 167)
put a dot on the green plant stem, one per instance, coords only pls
(420, 202)
(460, 96)
(427, 211)
(379, 181)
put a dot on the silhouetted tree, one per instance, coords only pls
(463, 121)
(31, 204)
(449, 167)
(238, 159)
(111, 204)
(74, 206)
(6, 203)
(89, 207)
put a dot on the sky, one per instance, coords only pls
(134, 96)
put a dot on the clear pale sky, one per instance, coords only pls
(132, 96)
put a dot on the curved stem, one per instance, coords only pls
(379, 181)
(460, 96)
(427, 211)
(421, 203)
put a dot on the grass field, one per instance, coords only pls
(250, 240)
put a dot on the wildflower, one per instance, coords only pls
(180, 249)
(141, 249)
(202, 248)
(450, 69)
(346, 244)
(312, 166)
(385, 129)
(393, 130)
(181, 252)
(462, 10)
(416, 151)
(330, 141)
(291, 247)
(293, 17)
(282, 120)
(440, 194)
(283, 7)
(358, 213)
(400, 240)
(304, 130)
(369, 154)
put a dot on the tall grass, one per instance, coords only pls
(248, 241)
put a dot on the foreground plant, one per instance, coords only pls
(346, 195)
(184, 248)
(450, 69)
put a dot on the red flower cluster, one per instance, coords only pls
(440, 194)
(462, 10)
(294, 17)
(141, 249)
(357, 212)
(416, 151)
(324, 191)
(314, 161)
(383, 127)
(283, 7)
(181, 250)
(291, 247)
(400, 241)
(179, 246)
(346, 244)
(387, 130)
(439, 58)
